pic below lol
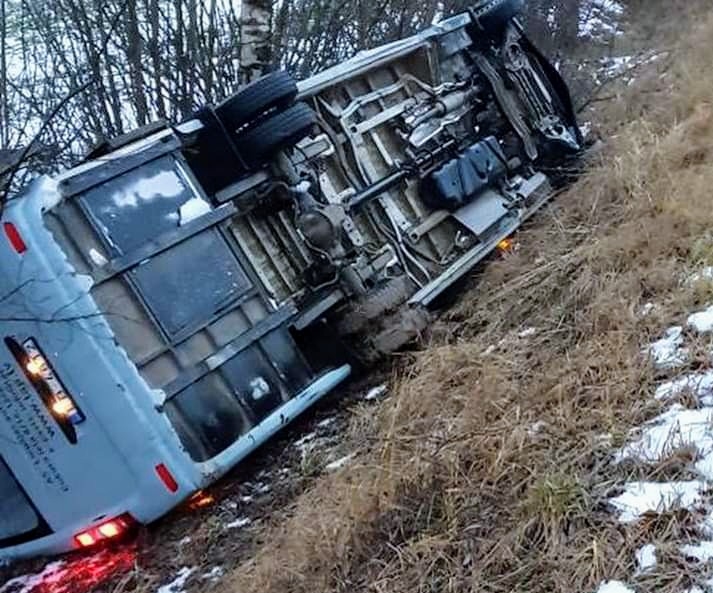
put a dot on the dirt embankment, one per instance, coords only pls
(492, 466)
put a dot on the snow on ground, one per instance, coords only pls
(646, 558)
(376, 393)
(646, 309)
(74, 574)
(667, 352)
(677, 427)
(214, 575)
(699, 385)
(536, 428)
(614, 587)
(339, 463)
(640, 498)
(706, 274)
(52, 574)
(616, 65)
(702, 551)
(239, 523)
(177, 585)
(673, 430)
(600, 18)
(702, 322)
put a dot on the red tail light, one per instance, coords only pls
(167, 478)
(102, 533)
(13, 235)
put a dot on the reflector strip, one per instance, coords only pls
(13, 235)
(167, 478)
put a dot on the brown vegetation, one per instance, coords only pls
(489, 467)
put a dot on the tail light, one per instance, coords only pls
(13, 235)
(109, 530)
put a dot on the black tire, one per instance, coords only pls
(491, 16)
(274, 91)
(277, 132)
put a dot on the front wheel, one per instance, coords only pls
(491, 16)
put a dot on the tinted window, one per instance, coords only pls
(189, 283)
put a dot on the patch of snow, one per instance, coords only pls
(528, 332)
(305, 440)
(376, 393)
(640, 498)
(193, 209)
(646, 557)
(697, 384)
(704, 274)
(339, 463)
(674, 429)
(614, 587)
(600, 17)
(239, 523)
(52, 573)
(702, 322)
(214, 574)
(536, 428)
(604, 440)
(585, 129)
(646, 309)
(489, 350)
(263, 488)
(667, 352)
(702, 551)
(245, 500)
(185, 541)
(177, 585)
(327, 422)
(615, 65)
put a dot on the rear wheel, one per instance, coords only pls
(274, 91)
(277, 132)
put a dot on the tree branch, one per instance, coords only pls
(57, 109)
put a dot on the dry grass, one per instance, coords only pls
(488, 470)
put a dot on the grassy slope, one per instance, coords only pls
(488, 472)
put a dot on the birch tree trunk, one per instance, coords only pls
(255, 39)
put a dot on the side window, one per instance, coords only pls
(191, 282)
(140, 205)
(188, 284)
